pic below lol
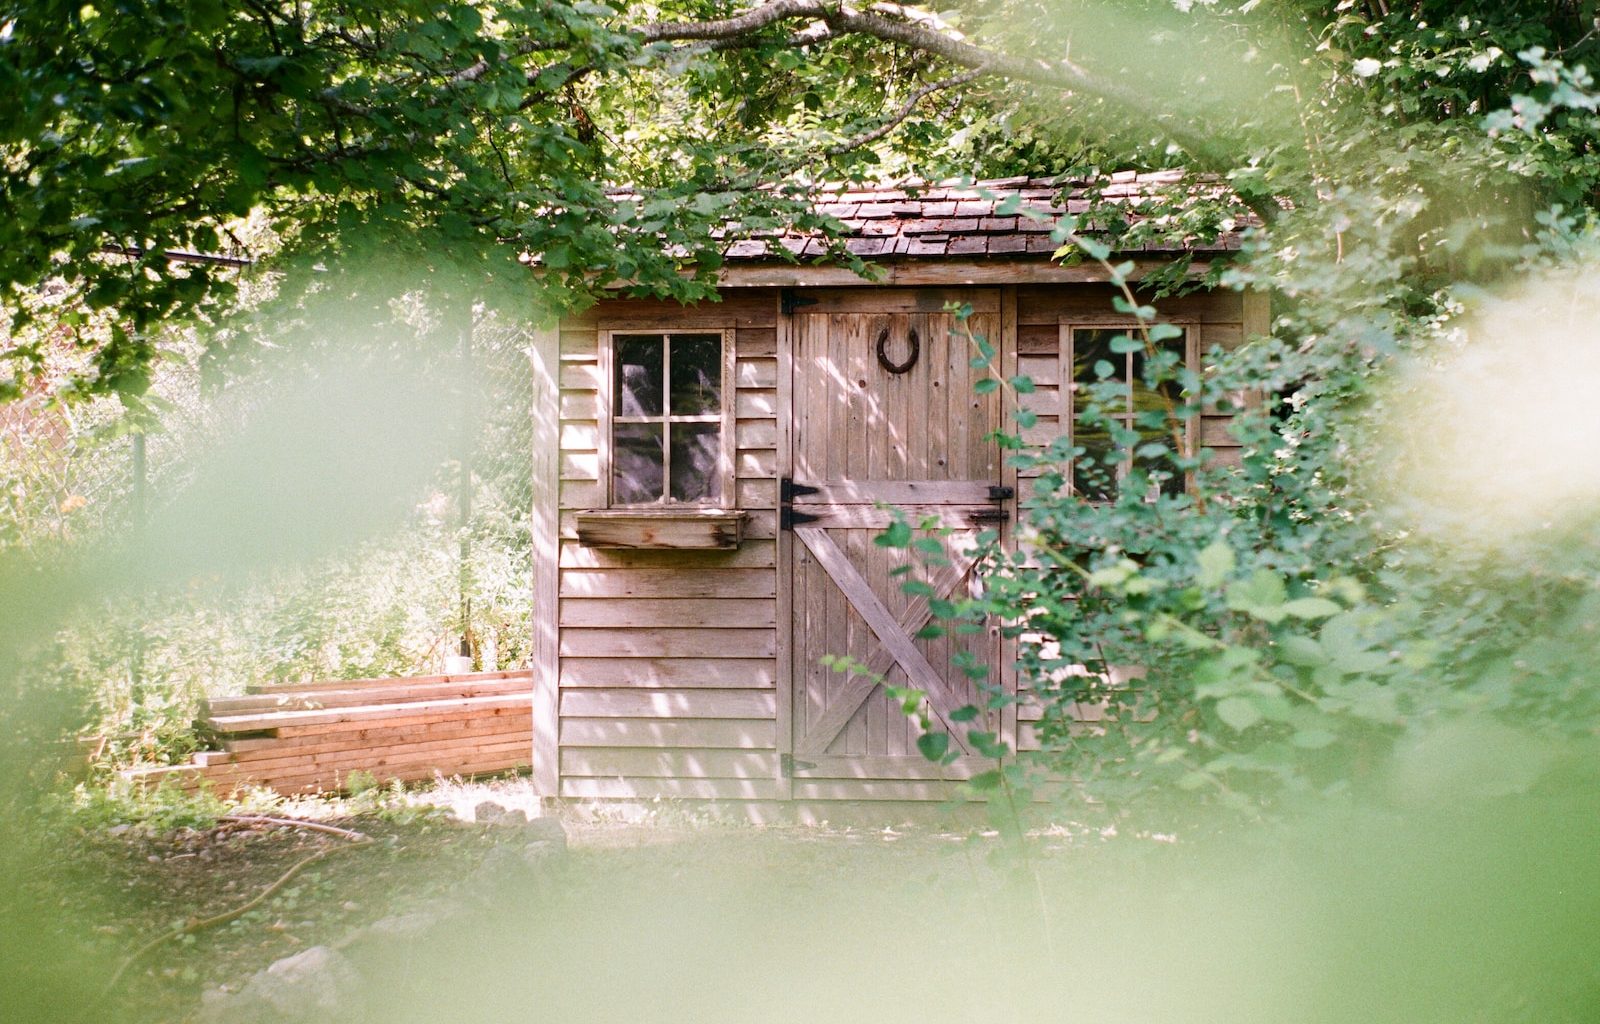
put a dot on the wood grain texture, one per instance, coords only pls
(752, 554)
(665, 642)
(677, 529)
(547, 409)
(643, 612)
(733, 734)
(732, 673)
(652, 789)
(677, 704)
(667, 582)
(678, 764)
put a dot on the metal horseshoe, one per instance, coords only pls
(910, 361)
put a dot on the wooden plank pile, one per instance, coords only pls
(311, 737)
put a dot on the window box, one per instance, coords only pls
(687, 529)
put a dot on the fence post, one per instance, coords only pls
(464, 570)
(140, 510)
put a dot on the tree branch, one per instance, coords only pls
(920, 30)
(869, 137)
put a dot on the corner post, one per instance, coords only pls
(544, 662)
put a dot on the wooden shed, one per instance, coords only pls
(708, 481)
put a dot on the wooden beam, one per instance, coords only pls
(928, 272)
(545, 523)
(783, 441)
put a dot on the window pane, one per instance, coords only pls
(639, 374)
(696, 374)
(637, 460)
(1092, 478)
(1144, 396)
(1091, 345)
(1163, 463)
(696, 450)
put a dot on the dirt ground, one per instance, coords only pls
(120, 886)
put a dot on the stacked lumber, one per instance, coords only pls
(302, 738)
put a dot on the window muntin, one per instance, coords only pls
(668, 412)
(1141, 412)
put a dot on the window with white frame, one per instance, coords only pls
(668, 417)
(1112, 374)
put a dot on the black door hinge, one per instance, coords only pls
(790, 301)
(788, 518)
(788, 490)
(999, 493)
(989, 515)
(787, 765)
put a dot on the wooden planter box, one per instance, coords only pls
(690, 529)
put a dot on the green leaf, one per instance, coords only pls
(986, 385)
(1122, 344)
(896, 535)
(965, 713)
(1302, 651)
(1240, 713)
(985, 781)
(1216, 562)
(1312, 608)
(934, 745)
(1313, 739)
(1095, 250)
(1261, 596)
(986, 744)
(1023, 385)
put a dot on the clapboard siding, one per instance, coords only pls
(676, 704)
(669, 764)
(1050, 304)
(669, 611)
(668, 671)
(650, 789)
(611, 671)
(752, 554)
(730, 734)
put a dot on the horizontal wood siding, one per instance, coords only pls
(1219, 318)
(668, 671)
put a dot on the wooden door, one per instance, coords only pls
(873, 427)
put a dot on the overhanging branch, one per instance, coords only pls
(921, 30)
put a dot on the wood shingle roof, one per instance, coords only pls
(1005, 217)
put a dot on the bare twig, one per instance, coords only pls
(195, 925)
(313, 826)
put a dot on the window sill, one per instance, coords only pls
(685, 529)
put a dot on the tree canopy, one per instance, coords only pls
(491, 131)
(1401, 159)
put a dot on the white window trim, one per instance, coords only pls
(608, 417)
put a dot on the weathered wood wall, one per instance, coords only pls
(668, 660)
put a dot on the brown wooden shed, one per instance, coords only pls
(708, 481)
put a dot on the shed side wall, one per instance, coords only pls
(668, 658)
